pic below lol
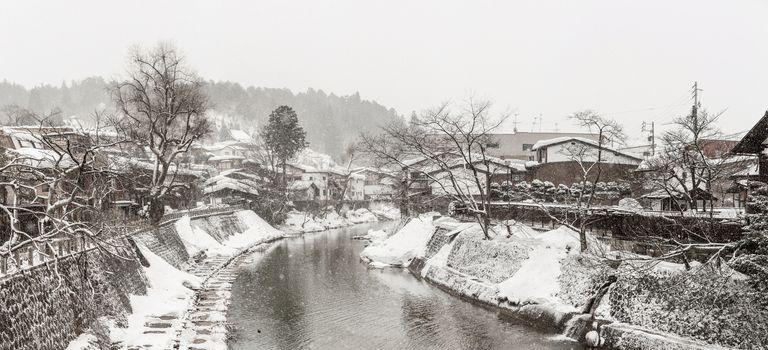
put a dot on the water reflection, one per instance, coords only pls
(312, 292)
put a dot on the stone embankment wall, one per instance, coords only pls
(643, 309)
(47, 306)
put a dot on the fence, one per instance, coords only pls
(29, 255)
(624, 225)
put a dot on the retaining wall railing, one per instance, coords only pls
(29, 255)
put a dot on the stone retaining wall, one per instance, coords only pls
(165, 242)
(46, 307)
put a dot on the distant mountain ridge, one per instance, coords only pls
(332, 122)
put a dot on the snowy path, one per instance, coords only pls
(204, 326)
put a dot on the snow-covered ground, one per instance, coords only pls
(536, 282)
(168, 295)
(534, 279)
(170, 290)
(298, 222)
(400, 248)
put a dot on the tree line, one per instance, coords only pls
(332, 122)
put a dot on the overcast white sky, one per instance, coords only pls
(633, 60)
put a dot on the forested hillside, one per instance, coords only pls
(331, 122)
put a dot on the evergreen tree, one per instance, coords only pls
(284, 136)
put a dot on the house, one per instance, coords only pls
(444, 180)
(233, 186)
(47, 170)
(676, 199)
(378, 184)
(225, 155)
(320, 178)
(519, 145)
(560, 161)
(304, 190)
(754, 142)
(356, 187)
(567, 149)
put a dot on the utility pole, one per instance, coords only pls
(514, 123)
(540, 120)
(695, 117)
(695, 108)
(652, 137)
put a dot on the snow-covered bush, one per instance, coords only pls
(581, 277)
(709, 303)
(491, 260)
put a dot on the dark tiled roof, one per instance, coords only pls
(752, 142)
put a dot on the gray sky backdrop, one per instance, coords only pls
(633, 60)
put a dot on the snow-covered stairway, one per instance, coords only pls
(204, 325)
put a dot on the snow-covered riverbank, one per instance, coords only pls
(157, 317)
(543, 279)
(298, 222)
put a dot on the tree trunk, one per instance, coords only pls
(486, 226)
(155, 210)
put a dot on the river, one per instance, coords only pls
(312, 292)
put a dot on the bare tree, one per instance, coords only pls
(163, 109)
(683, 170)
(452, 145)
(17, 116)
(589, 156)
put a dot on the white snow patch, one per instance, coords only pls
(197, 240)
(403, 246)
(536, 280)
(166, 295)
(82, 342)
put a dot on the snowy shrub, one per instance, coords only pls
(580, 279)
(716, 305)
(490, 260)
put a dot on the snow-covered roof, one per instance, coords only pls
(222, 145)
(300, 185)
(304, 168)
(221, 158)
(241, 136)
(559, 140)
(41, 158)
(142, 164)
(226, 183)
(495, 164)
(375, 171)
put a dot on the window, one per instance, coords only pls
(493, 145)
(527, 146)
(311, 178)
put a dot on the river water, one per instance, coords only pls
(312, 292)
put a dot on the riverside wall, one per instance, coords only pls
(47, 306)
